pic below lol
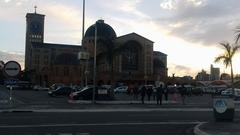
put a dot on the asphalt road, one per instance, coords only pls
(102, 123)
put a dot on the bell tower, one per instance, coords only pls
(34, 34)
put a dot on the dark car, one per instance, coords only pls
(61, 91)
(86, 93)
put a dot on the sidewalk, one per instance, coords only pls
(115, 102)
(218, 128)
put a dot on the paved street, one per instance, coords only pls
(102, 123)
(36, 113)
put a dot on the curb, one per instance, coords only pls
(198, 131)
(17, 111)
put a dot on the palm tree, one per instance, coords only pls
(237, 37)
(226, 57)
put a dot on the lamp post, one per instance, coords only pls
(84, 56)
(86, 70)
(94, 64)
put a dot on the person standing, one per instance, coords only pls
(149, 92)
(159, 94)
(143, 93)
(135, 92)
(166, 93)
(154, 93)
(182, 91)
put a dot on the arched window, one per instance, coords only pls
(130, 56)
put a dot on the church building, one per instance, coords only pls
(127, 59)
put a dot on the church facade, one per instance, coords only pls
(127, 59)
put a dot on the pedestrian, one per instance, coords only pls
(182, 91)
(159, 94)
(155, 93)
(135, 92)
(143, 93)
(166, 93)
(149, 92)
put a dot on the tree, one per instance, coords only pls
(237, 37)
(226, 57)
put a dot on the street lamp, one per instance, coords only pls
(94, 66)
(84, 56)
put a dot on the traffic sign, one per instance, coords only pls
(12, 69)
(220, 106)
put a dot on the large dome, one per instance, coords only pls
(103, 31)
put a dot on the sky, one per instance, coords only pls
(188, 31)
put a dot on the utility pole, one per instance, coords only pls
(83, 21)
(94, 66)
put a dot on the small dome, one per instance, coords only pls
(103, 31)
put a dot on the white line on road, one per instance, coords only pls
(102, 124)
(131, 110)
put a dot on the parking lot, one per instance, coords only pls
(32, 97)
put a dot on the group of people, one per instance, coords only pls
(157, 93)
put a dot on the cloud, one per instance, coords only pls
(180, 70)
(15, 2)
(63, 22)
(131, 7)
(6, 1)
(15, 56)
(168, 4)
(204, 21)
(123, 8)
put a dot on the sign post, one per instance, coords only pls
(11, 70)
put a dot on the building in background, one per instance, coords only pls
(202, 76)
(225, 76)
(49, 63)
(214, 73)
(128, 58)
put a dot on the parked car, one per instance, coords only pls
(56, 85)
(121, 89)
(61, 91)
(14, 87)
(76, 87)
(228, 92)
(86, 93)
(39, 88)
(20, 85)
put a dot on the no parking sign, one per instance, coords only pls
(12, 69)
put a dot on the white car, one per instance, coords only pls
(121, 89)
(228, 92)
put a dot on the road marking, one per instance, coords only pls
(198, 131)
(69, 134)
(113, 110)
(102, 124)
(130, 110)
